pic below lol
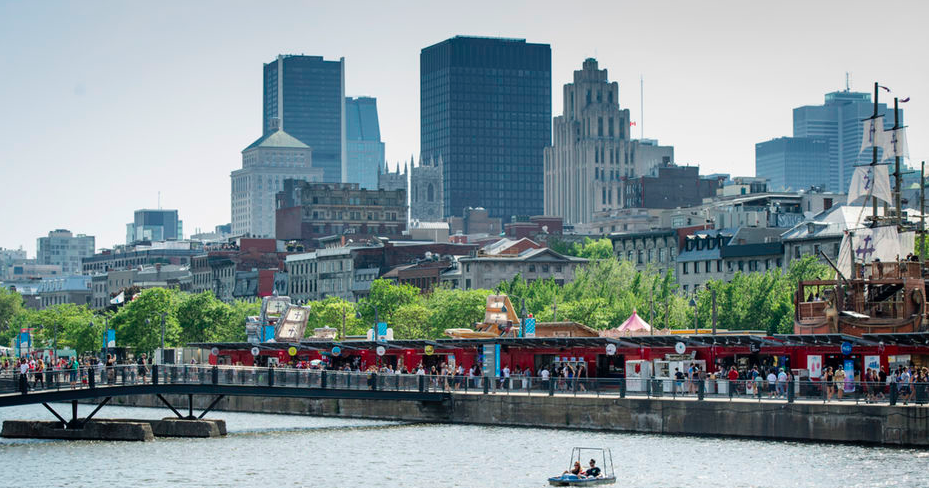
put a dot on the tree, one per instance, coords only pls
(452, 309)
(11, 305)
(329, 313)
(599, 249)
(387, 297)
(411, 321)
(201, 317)
(138, 323)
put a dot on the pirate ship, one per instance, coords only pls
(880, 286)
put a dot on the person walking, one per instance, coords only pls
(839, 380)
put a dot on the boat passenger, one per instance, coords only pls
(593, 471)
(575, 470)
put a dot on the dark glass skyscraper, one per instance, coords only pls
(486, 109)
(307, 94)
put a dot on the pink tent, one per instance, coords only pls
(632, 326)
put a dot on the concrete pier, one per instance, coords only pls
(116, 429)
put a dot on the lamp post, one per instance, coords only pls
(162, 359)
(693, 303)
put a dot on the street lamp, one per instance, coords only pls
(693, 303)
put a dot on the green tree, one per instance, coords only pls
(599, 249)
(387, 297)
(202, 317)
(11, 305)
(411, 321)
(452, 309)
(233, 330)
(329, 313)
(138, 323)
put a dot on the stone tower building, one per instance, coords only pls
(426, 192)
(390, 181)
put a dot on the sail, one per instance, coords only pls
(881, 243)
(873, 133)
(894, 143)
(870, 181)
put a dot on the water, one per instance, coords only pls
(286, 450)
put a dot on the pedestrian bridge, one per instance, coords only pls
(220, 381)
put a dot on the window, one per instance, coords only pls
(696, 267)
(532, 268)
(707, 266)
(684, 269)
(719, 265)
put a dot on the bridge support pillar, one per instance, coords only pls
(155, 374)
(190, 406)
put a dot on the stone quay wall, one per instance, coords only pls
(801, 421)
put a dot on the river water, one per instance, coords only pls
(287, 450)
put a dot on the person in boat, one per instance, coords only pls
(593, 471)
(575, 470)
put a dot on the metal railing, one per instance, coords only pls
(760, 390)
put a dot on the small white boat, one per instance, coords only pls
(589, 473)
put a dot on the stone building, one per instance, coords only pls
(426, 193)
(487, 270)
(62, 248)
(266, 163)
(593, 151)
(393, 180)
(720, 254)
(57, 291)
(308, 212)
(656, 249)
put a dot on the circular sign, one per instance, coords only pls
(381, 350)
(846, 348)
(214, 351)
(254, 351)
(336, 351)
(429, 350)
(680, 348)
(292, 351)
(610, 349)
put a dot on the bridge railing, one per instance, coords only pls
(744, 390)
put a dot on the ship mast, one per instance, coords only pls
(874, 158)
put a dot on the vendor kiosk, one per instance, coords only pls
(638, 372)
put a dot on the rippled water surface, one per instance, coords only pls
(285, 450)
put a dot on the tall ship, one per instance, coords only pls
(880, 284)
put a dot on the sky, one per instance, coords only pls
(105, 104)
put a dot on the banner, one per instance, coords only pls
(870, 181)
(849, 367)
(814, 363)
(872, 362)
(872, 133)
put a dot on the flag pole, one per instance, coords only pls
(922, 210)
(898, 177)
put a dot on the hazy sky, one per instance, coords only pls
(103, 104)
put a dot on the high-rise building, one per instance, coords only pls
(794, 163)
(486, 108)
(592, 151)
(365, 149)
(266, 163)
(154, 225)
(62, 248)
(307, 95)
(838, 121)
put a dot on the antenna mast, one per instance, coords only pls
(641, 107)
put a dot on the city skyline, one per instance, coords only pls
(134, 102)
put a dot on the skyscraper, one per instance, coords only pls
(485, 109)
(365, 149)
(793, 163)
(593, 151)
(154, 225)
(62, 248)
(307, 94)
(839, 122)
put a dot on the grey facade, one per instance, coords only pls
(426, 192)
(794, 163)
(839, 120)
(58, 291)
(592, 151)
(154, 225)
(307, 95)
(365, 155)
(486, 108)
(655, 250)
(720, 254)
(266, 163)
(62, 248)
(487, 271)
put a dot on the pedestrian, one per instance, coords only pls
(23, 376)
(733, 377)
(142, 368)
(839, 380)
(781, 382)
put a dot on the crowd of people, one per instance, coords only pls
(36, 372)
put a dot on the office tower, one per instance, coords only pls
(307, 95)
(839, 121)
(365, 149)
(593, 152)
(485, 110)
(64, 249)
(266, 163)
(793, 163)
(154, 225)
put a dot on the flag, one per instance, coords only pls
(895, 143)
(118, 298)
(907, 99)
(870, 181)
(631, 123)
(873, 133)
(885, 88)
